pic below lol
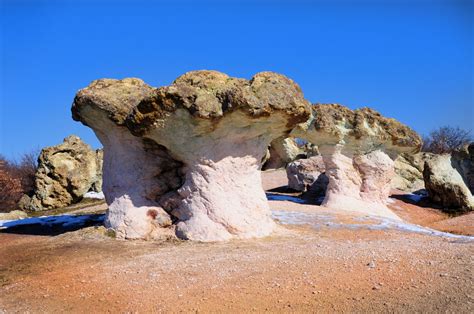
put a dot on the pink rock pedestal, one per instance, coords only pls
(222, 196)
(360, 183)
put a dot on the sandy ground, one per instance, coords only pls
(318, 261)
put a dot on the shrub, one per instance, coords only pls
(10, 187)
(446, 139)
(16, 179)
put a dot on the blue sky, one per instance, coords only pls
(411, 60)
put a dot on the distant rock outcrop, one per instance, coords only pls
(358, 148)
(307, 174)
(409, 172)
(281, 151)
(463, 160)
(65, 173)
(448, 179)
(186, 157)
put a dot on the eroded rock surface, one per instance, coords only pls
(307, 174)
(445, 184)
(281, 152)
(409, 171)
(65, 173)
(185, 158)
(463, 161)
(358, 148)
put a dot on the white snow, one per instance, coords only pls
(95, 195)
(317, 220)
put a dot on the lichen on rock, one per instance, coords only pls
(65, 173)
(185, 158)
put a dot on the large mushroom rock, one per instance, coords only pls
(358, 148)
(188, 155)
(135, 170)
(445, 184)
(65, 173)
(282, 151)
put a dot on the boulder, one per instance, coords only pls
(463, 161)
(307, 174)
(409, 172)
(282, 151)
(445, 184)
(184, 159)
(65, 173)
(358, 148)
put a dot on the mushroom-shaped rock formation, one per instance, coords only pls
(186, 156)
(358, 148)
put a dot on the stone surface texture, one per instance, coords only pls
(463, 161)
(446, 185)
(409, 172)
(184, 159)
(307, 174)
(358, 148)
(65, 173)
(282, 151)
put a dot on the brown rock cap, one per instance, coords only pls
(205, 94)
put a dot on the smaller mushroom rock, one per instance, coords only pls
(189, 154)
(357, 148)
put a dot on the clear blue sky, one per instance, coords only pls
(411, 60)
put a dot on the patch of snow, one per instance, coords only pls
(95, 195)
(387, 223)
(390, 201)
(299, 218)
(317, 220)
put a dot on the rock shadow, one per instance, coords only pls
(51, 225)
(418, 198)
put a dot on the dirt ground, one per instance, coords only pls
(317, 261)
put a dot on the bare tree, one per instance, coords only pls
(17, 178)
(446, 139)
(10, 186)
(26, 169)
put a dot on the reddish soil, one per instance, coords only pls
(322, 267)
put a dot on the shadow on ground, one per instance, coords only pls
(284, 193)
(51, 225)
